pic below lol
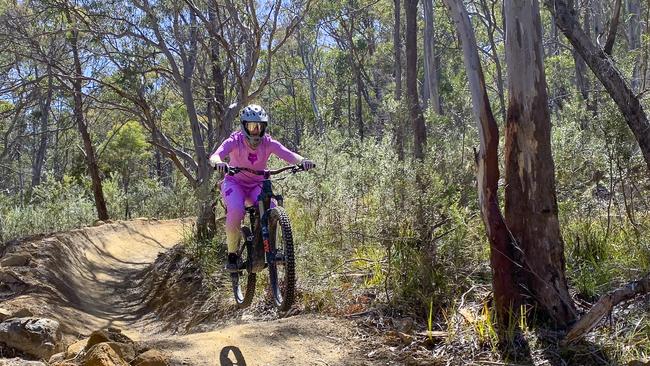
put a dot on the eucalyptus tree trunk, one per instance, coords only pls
(218, 100)
(89, 151)
(126, 180)
(492, 27)
(502, 262)
(358, 80)
(613, 28)
(582, 80)
(531, 209)
(605, 70)
(206, 224)
(338, 99)
(591, 27)
(377, 83)
(307, 52)
(634, 37)
(431, 93)
(358, 102)
(44, 109)
(644, 55)
(596, 12)
(298, 125)
(417, 119)
(161, 168)
(350, 119)
(397, 49)
(60, 155)
(557, 89)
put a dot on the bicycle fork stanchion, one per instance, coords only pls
(269, 252)
(264, 201)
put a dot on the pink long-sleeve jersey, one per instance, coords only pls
(242, 155)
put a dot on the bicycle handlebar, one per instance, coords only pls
(232, 170)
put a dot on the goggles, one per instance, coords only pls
(251, 126)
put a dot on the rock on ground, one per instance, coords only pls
(39, 337)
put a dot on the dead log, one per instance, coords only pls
(604, 306)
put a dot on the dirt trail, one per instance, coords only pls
(92, 278)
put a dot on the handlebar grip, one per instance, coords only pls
(230, 170)
(302, 168)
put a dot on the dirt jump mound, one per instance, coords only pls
(128, 292)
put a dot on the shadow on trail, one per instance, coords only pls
(516, 351)
(580, 353)
(226, 360)
(583, 353)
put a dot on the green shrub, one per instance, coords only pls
(54, 206)
(63, 205)
(362, 217)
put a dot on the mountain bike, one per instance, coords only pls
(267, 243)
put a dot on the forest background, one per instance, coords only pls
(426, 119)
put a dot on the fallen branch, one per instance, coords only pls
(604, 306)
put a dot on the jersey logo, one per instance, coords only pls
(252, 158)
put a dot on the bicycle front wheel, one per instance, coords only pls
(283, 269)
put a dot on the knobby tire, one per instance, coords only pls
(283, 289)
(244, 298)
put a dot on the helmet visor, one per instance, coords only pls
(254, 128)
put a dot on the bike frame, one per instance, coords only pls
(261, 212)
(262, 252)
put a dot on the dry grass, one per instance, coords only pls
(465, 335)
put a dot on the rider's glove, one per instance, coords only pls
(214, 160)
(221, 167)
(218, 165)
(307, 164)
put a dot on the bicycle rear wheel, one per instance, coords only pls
(243, 282)
(283, 270)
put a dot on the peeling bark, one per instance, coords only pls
(530, 202)
(506, 295)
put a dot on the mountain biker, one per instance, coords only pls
(250, 148)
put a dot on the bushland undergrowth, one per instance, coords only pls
(370, 235)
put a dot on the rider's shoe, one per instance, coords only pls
(232, 264)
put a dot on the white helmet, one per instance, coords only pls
(254, 113)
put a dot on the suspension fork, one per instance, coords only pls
(264, 202)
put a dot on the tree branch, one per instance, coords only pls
(611, 35)
(604, 306)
